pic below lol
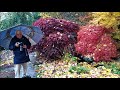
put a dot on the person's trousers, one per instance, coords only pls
(18, 68)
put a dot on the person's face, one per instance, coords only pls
(19, 35)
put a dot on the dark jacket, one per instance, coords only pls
(20, 56)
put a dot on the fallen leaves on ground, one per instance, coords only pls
(7, 74)
(61, 69)
(7, 62)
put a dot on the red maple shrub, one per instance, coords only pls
(51, 25)
(59, 33)
(95, 41)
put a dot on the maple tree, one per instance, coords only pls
(59, 33)
(95, 42)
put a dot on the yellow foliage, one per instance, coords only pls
(44, 15)
(108, 20)
(50, 14)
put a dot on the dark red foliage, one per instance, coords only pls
(59, 33)
(51, 25)
(53, 45)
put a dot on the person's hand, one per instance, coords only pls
(17, 44)
(24, 46)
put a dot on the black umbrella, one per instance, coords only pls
(33, 33)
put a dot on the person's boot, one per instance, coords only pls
(26, 76)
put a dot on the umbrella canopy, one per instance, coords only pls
(33, 33)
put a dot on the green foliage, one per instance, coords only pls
(78, 69)
(68, 57)
(72, 69)
(114, 68)
(15, 18)
(74, 58)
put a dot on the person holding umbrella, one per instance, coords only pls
(19, 38)
(19, 45)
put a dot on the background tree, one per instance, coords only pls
(9, 19)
